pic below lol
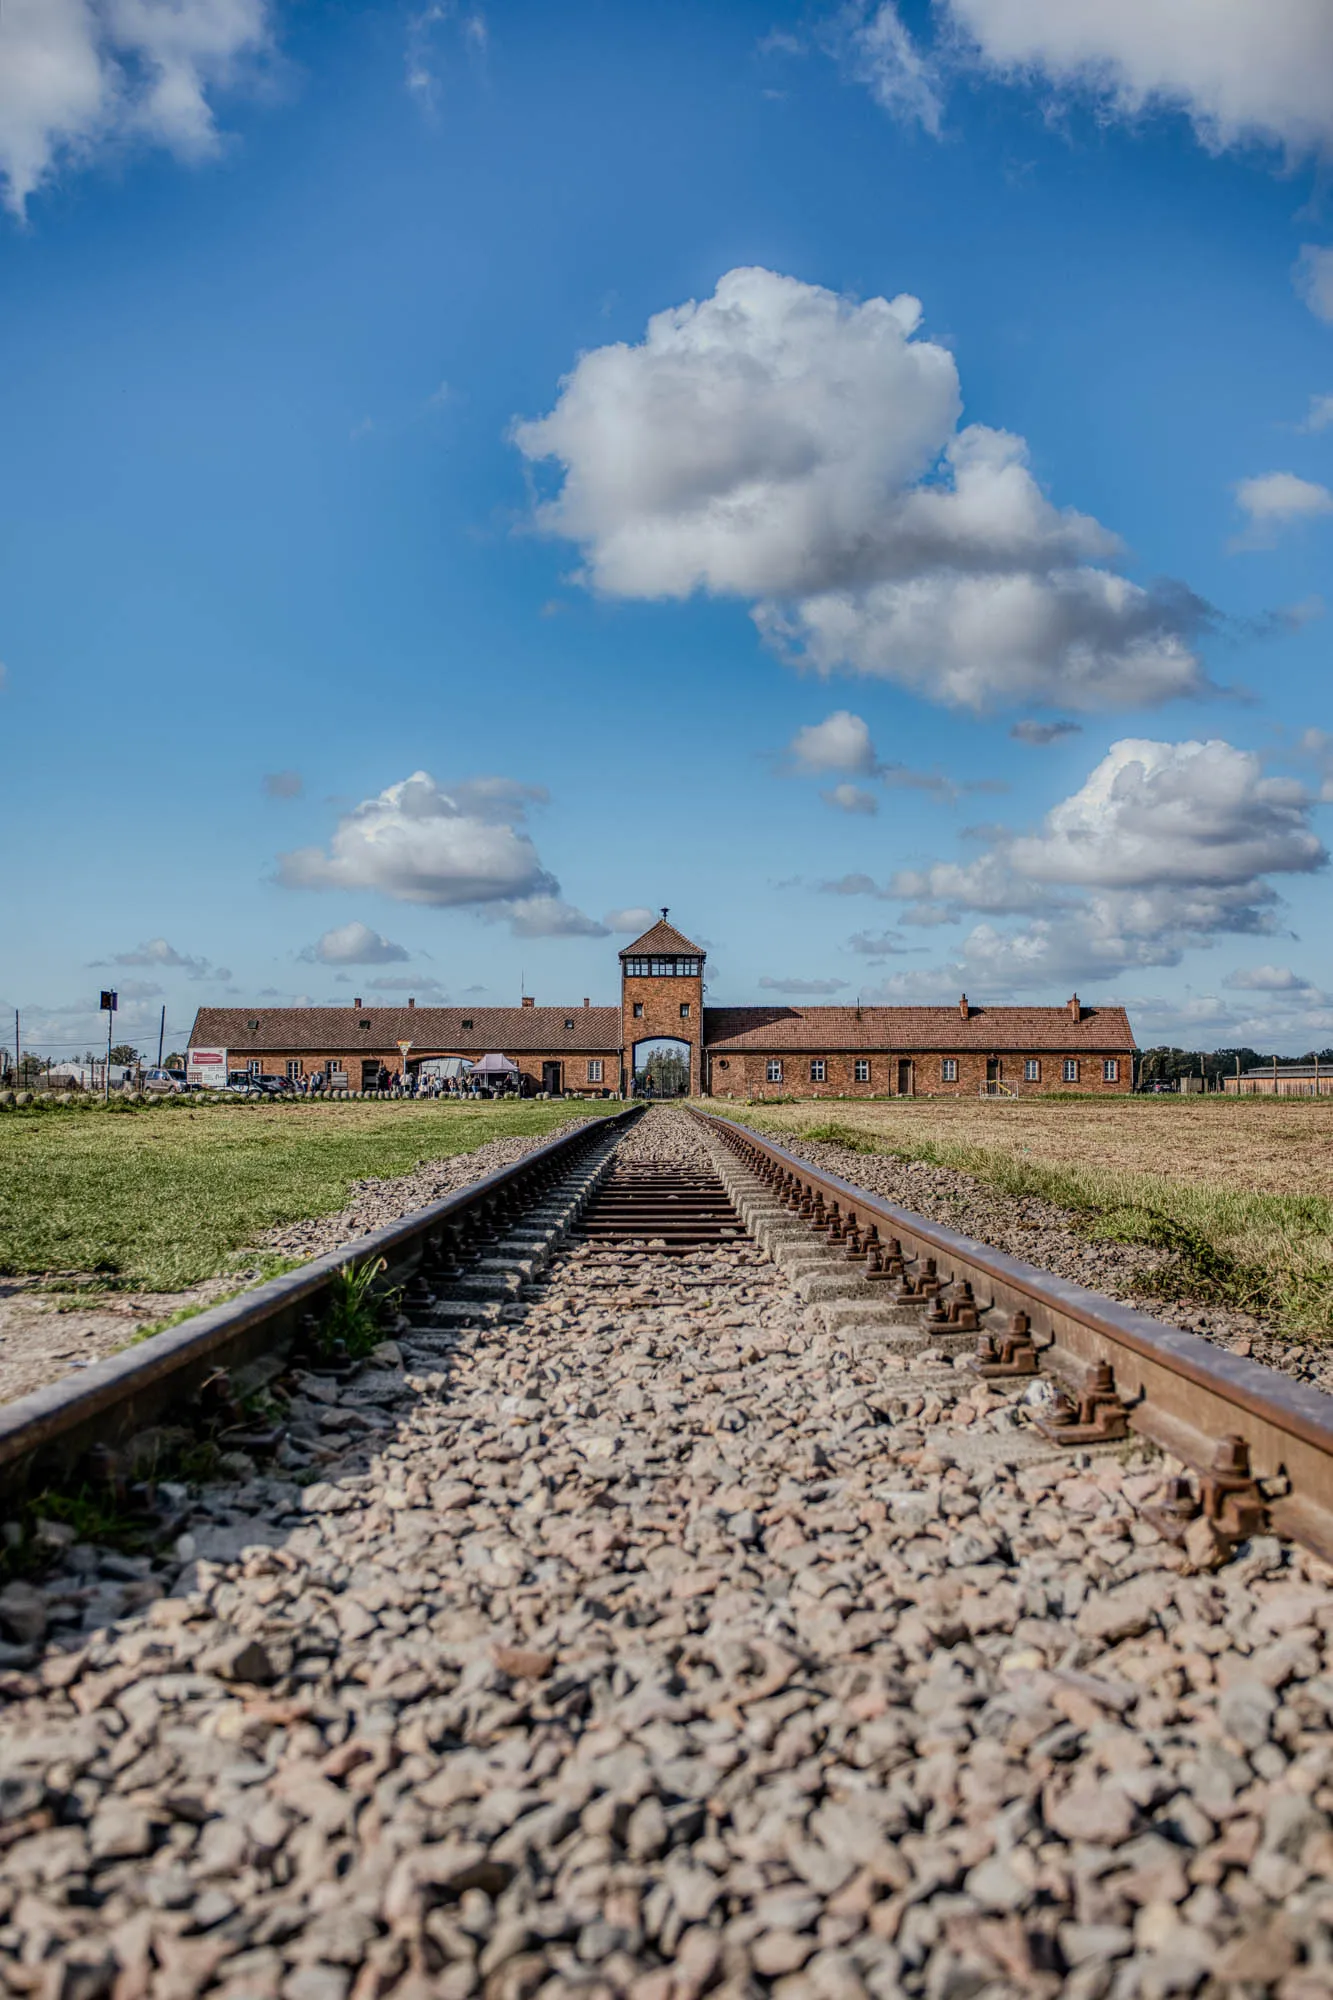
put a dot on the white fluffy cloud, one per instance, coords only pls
(421, 844)
(841, 742)
(79, 75)
(157, 952)
(635, 920)
(1241, 70)
(354, 944)
(464, 847)
(1273, 500)
(850, 798)
(1166, 845)
(784, 444)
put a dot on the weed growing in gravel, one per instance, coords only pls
(357, 1315)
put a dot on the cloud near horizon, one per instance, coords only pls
(157, 952)
(784, 444)
(354, 944)
(1165, 846)
(803, 988)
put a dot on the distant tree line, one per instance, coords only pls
(1168, 1065)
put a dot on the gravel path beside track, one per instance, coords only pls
(44, 1336)
(1028, 1227)
(650, 1641)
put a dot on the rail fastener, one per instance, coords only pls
(1259, 1444)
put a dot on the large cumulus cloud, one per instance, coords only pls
(783, 444)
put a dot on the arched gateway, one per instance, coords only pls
(780, 1050)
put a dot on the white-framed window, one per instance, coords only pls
(773, 1070)
(595, 1070)
(817, 1070)
(1031, 1070)
(1070, 1069)
(294, 1067)
(949, 1070)
(255, 1066)
(861, 1069)
(1111, 1070)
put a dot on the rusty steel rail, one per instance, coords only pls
(1179, 1390)
(49, 1431)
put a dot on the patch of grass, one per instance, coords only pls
(165, 1198)
(93, 1516)
(1229, 1239)
(356, 1318)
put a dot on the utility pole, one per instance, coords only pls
(161, 1033)
(18, 1075)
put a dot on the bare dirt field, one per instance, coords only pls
(1251, 1144)
(1231, 1199)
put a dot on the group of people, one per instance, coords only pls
(396, 1083)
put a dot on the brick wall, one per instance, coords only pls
(661, 1001)
(746, 1075)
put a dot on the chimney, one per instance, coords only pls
(1075, 1010)
(411, 1003)
(586, 1001)
(963, 1007)
(528, 1001)
(357, 1002)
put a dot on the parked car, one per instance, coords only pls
(162, 1081)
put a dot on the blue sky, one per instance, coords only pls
(477, 475)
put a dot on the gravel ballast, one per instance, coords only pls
(647, 1639)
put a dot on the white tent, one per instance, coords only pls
(495, 1065)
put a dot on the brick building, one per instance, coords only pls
(739, 1052)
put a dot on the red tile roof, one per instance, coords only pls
(662, 939)
(431, 1030)
(987, 1029)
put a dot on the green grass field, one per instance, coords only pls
(163, 1197)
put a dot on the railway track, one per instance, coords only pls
(660, 1618)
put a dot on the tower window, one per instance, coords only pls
(684, 1010)
(638, 1010)
(661, 968)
